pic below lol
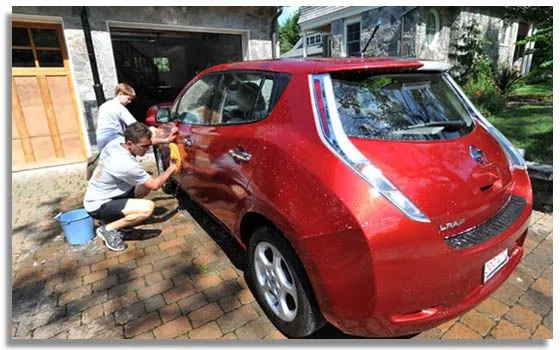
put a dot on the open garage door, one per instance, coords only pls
(158, 64)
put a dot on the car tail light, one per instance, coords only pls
(152, 111)
(321, 109)
(333, 136)
(513, 155)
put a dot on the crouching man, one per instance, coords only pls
(119, 182)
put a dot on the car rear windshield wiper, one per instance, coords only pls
(449, 125)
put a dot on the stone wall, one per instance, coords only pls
(542, 185)
(493, 28)
(254, 20)
(387, 40)
(439, 48)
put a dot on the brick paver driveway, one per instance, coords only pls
(181, 277)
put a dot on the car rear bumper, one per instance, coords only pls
(411, 279)
(434, 295)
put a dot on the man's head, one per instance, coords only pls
(125, 93)
(138, 138)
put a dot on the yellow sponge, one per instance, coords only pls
(175, 155)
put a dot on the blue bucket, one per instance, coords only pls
(77, 226)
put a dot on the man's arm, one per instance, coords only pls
(156, 140)
(156, 183)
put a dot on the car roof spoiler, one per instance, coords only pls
(435, 66)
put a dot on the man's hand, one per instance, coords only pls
(155, 183)
(173, 167)
(173, 135)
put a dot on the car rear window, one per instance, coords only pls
(420, 106)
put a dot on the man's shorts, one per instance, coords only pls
(112, 210)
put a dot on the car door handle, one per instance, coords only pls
(188, 141)
(240, 155)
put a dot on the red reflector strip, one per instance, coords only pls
(321, 107)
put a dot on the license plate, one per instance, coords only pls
(494, 265)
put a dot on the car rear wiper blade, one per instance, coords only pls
(449, 125)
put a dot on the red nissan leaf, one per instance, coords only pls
(369, 193)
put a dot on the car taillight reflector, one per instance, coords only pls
(321, 107)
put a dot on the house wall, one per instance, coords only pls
(493, 28)
(439, 48)
(387, 40)
(253, 20)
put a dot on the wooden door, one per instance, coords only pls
(45, 120)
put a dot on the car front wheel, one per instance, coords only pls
(281, 286)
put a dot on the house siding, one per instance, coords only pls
(254, 20)
(310, 12)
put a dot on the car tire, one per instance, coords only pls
(283, 291)
(170, 187)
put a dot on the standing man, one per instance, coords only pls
(114, 118)
(115, 191)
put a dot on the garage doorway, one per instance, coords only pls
(158, 64)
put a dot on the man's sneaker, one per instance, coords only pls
(112, 239)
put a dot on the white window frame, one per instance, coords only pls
(347, 22)
(318, 38)
(313, 39)
(504, 37)
(434, 42)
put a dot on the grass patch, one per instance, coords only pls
(543, 90)
(528, 127)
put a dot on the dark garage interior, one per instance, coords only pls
(158, 64)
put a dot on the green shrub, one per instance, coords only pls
(481, 87)
(538, 76)
(506, 79)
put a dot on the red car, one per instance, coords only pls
(369, 193)
(152, 111)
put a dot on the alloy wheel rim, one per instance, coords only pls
(275, 281)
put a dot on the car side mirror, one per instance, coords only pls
(162, 115)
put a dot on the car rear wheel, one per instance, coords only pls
(281, 285)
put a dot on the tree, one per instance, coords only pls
(289, 33)
(541, 17)
(469, 49)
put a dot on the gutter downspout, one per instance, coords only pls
(273, 32)
(401, 48)
(97, 86)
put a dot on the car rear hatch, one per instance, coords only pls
(417, 132)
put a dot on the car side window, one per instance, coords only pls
(245, 98)
(195, 106)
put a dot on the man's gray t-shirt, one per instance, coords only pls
(112, 121)
(117, 172)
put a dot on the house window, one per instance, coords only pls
(36, 48)
(432, 27)
(352, 38)
(313, 39)
(162, 64)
